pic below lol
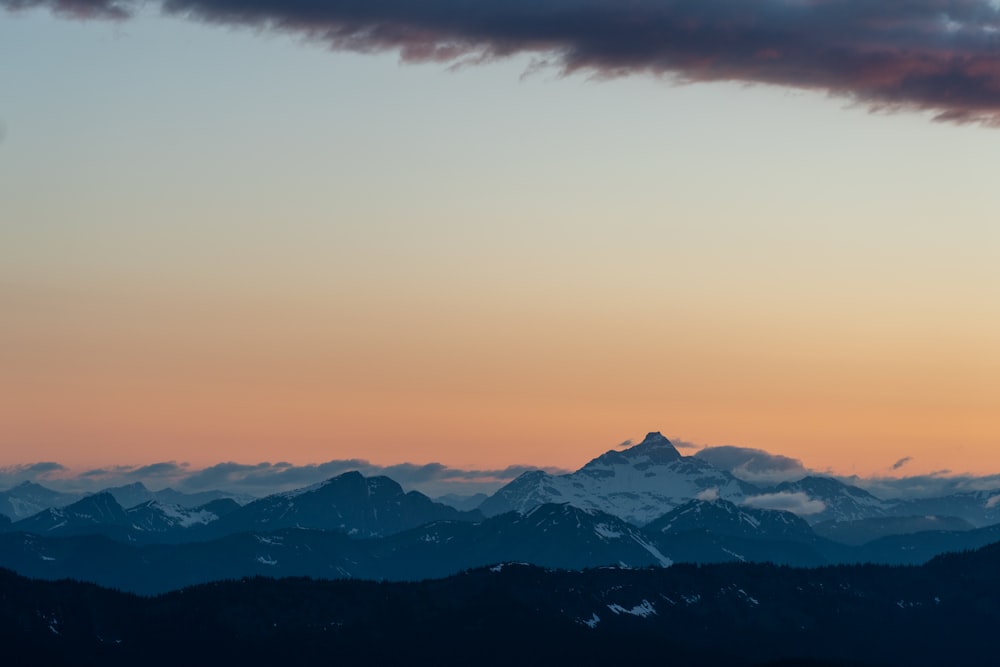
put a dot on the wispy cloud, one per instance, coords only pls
(901, 462)
(941, 56)
(796, 502)
(684, 444)
(708, 494)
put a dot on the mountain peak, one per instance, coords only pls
(654, 446)
(655, 438)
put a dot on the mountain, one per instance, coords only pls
(980, 508)
(733, 615)
(466, 503)
(556, 536)
(918, 548)
(550, 535)
(101, 514)
(865, 530)
(722, 517)
(28, 498)
(842, 502)
(349, 503)
(97, 513)
(136, 493)
(157, 517)
(717, 531)
(637, 484)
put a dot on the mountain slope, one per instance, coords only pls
(97, 513)
(550, 535)
(842, 502)
(943, 613)
(637, 484)
(865, 530)
(349, 503)
(722, 517)
(130, 495)
(28, 498)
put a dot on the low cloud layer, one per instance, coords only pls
(754, 465)
(941, 56)
(708, 495)
(260, 479)
(940, 483)
(796, 502)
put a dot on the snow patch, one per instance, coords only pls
(266, 560)
(735, 555)
(644, 609)
(656, 553)
(186, 518)
(606, 531)
(592, 621)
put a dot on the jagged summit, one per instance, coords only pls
(656, 447)
(654, 438)
(653, 450)
(637, 484)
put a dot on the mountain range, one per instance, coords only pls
(644, 506)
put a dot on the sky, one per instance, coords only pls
(484, 235)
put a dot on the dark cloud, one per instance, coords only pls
(431, 478)
(940, 56)
(28, 472)
(754, 465)
(624, 444)
(901, 462)
(43, 468)
(80, 9)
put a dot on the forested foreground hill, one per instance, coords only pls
(945, 612)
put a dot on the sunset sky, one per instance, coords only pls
(222, 240)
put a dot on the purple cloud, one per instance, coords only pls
(939, 56)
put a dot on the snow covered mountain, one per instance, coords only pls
(842, 502)
(722, 517)
(137, 493)
(159, 517)
(28, 498)
(637, 484)
(86, 515)
(101, 514)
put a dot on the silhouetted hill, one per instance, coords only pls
(737, 615)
